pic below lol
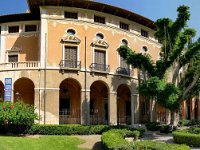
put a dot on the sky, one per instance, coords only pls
(152, 9)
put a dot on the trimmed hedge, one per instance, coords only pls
(182, 137)
(153, 126)
(154, 145)
(115, 139)
(73, 129)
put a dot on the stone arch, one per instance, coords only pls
(99, 95)
(70, 102)
(1, 91)
(124, 104)
(24, 90)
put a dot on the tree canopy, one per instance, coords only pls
(178, 56)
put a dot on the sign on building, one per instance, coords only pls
(8, 89)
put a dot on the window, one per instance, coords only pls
(12, 58)
(100, 60)
(124, 42)
(144, 33)
(71, 32)
(30, 28)
(124, 26)
(13, 29)
(99, 36)
(144, 49)
(71, 15)
(99, 19)
(70, 57)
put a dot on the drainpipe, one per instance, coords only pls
(86, 82)
(45, 66)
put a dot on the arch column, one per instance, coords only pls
(85, 107)
(112, 111)
(198, 108)
(134, 109)
(51, 113)
(37, 102)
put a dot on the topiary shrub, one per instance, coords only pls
(154, 145)
(193, 130)
(183, 137)
(115, 139)
(153, 126)
(183, 123)
(166, 128)
(16, 117)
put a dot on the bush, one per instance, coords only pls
(115, 139)
(166, 128)
(183, 123)
(16, 117)
(194, 123)
(153, 126)
(72, 129)
(193, 130)
(182, 137)
(153, 145)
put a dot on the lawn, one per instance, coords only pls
(40, 143)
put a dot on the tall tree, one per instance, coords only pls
(178, 57)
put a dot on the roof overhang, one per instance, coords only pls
(91, 5)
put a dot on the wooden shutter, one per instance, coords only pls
(100, 57)
(123, 63)
(70, 57)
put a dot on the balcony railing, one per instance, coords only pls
(100, 67)
(123, 71)
(69, 117)
(70, 64)
(19, 65)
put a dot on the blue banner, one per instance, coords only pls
(8, 90)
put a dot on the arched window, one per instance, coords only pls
(71, 32)
(124, 42)
(99, 36)
(144, 49)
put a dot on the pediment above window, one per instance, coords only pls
(14, 49)
(100, 43)
(71, 39)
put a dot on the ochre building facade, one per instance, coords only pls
(62, 58)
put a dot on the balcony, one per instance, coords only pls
(70, 65)
(123, 71)
(102, 68)
(20, 65)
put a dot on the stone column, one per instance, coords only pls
(112, 108)
(199, 108)
(168, 116)
(136, 108)
(192, 108)
(152, 110)
(133, 108)
(37, 103)
(85, 107)
(183, 110)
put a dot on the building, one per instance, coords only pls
(62, 58)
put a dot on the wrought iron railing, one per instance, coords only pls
(123, 71)
(19, 65)
(70, 64)
(69, 117)
(100, 67)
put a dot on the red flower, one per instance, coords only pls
(11, 106)
(4, 107)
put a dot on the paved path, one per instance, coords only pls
(92, 142)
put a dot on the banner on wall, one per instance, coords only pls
(8, 90)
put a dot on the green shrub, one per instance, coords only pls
(183, 123)
(153, 126)
(154, 145)
(193, 130)
(115, 139)
(166, 128)
(182, 137)
(194, 123)
(16, 117)
(72, 129)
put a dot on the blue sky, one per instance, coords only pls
(152, 9)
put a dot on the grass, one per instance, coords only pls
(40, 143)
